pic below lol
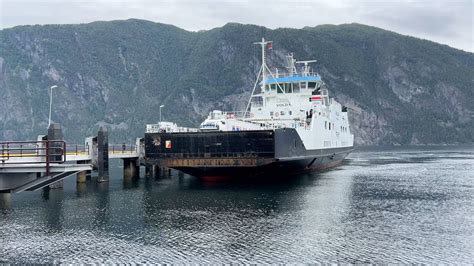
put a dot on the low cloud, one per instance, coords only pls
(447, 22)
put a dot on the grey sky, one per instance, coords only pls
(447, 22)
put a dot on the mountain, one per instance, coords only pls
(400, 89)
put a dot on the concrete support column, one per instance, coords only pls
(148, 170)
(155, 170)
(55, 133)
(5, 200)
(81, 177)
(131, 169)
(165, 172)
(103, 155)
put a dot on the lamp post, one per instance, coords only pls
(51, 102)
(161, 106)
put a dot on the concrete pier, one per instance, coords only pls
(131, 168)
(48, 163)
(103, 155)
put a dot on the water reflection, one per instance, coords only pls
(381, 206)
(52, 213)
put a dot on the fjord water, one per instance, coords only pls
(382, 205)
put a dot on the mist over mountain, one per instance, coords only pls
(400, 89)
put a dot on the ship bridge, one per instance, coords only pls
(291, 84)
(292, 79)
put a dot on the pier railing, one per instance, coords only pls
(52, 150)
(33, 152)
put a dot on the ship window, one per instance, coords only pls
(282, 112)
(296, 87)
(271, 113)
(325, 124)
(273, 87)
(279, 88)
(303, 85)
(311, 85)
(329, 125)
(289, 112)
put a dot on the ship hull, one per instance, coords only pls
(277, 169)
(245, 154)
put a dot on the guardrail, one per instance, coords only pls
(53, 151)
(122, 148)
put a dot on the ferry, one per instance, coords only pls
(290, 126)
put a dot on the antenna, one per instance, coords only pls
(306, 67)
(263, 44)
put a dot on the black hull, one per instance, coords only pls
(274, 169)
(216, 155)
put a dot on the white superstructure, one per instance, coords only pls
(298, 99)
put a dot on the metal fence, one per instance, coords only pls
(33, 152)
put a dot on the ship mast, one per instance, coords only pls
(262, 70)
(263, 44)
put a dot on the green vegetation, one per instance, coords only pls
(118, 73)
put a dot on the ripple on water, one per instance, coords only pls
(402, 206)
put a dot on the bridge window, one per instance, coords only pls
(311, 85)
(279, 88)
(296, 87)
(303, 85)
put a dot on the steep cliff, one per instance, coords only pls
(401, 90)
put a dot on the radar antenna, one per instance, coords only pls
(306, 66)
(290, 62)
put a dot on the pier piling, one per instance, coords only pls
(55, 133)
(131, 168)
(82, 176)
(155, 170)
(103, 155)
(148, 170)
(5, 200)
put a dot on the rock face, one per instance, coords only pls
(400, 90)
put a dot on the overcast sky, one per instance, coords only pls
(447, 22)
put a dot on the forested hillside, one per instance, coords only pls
(401, 90)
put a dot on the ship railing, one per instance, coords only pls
(287, 74)
(236, 114)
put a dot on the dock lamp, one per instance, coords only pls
(161, 106)
(51, 102)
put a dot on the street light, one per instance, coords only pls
(161, 106)
(51, 102)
